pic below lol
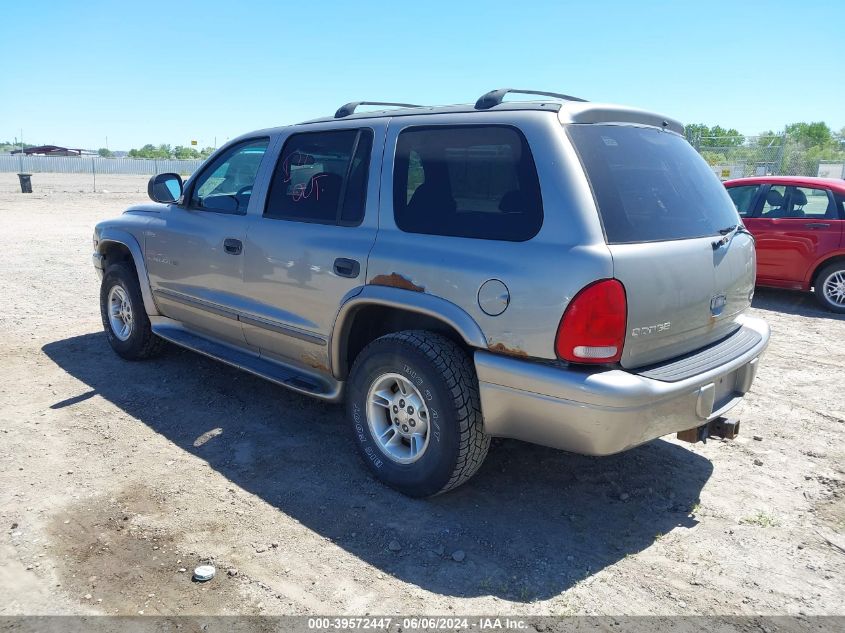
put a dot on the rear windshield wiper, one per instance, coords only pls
(728, 232)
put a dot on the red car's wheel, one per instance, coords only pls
(830, 287)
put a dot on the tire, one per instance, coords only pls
(830, 287)
(120, 286)
(442, 376)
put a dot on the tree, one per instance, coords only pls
(166, 151)
(8, 146)
(769, 138)
(816, 134)
(702, 135)
(182, 152)
(807, 144)
(146, 151)
(797, 150)
(151, 151)
(694, 132)
(721, 137)
(105, 152)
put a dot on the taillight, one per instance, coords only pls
(592, 329)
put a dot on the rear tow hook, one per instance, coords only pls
(725, 428)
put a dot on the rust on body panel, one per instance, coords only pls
(501, 348)
(395, 280)
(313, 361)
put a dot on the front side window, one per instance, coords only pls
(225, 186)
(744, 197)
(466, 181)
(650, 185)
(322, 177)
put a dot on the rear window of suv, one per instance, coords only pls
(650, 185)
(476, 181)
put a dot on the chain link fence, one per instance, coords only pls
(775, 155)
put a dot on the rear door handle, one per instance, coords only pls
(233, 246)
(344, 267)
(817, 225)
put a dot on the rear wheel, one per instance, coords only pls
(830, 287)
(414, 405)
(124, 319)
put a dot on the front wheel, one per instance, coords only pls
(124, 319)
(830, 287)
(416, 415)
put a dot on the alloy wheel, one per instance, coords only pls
(398, 418)
(120, 312)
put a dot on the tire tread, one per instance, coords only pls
(458, 374)
(150, 345)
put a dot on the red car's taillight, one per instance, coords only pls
(592, 329)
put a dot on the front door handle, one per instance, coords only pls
(344, 267)
(233, 246)
(817, 225)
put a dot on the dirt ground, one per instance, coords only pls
(117, 478)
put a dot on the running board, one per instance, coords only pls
(283, 375)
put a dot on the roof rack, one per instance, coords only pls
(349, 108)
(495, 97)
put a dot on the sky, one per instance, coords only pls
(78, 73)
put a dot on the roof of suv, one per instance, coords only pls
(570, 110)
(553, 106)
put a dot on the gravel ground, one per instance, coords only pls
(117, 477)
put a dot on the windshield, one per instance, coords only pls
(650, 185)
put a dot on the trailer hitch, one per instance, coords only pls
(725, 428)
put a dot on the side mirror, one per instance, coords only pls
(165, 188)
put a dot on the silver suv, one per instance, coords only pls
(557, 271)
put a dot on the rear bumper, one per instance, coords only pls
(607, 411)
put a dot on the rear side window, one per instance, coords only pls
(744, 197)
(809, 202)
(466, 181)
(322, 177)
(650, 185)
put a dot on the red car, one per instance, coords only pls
(799, 227)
